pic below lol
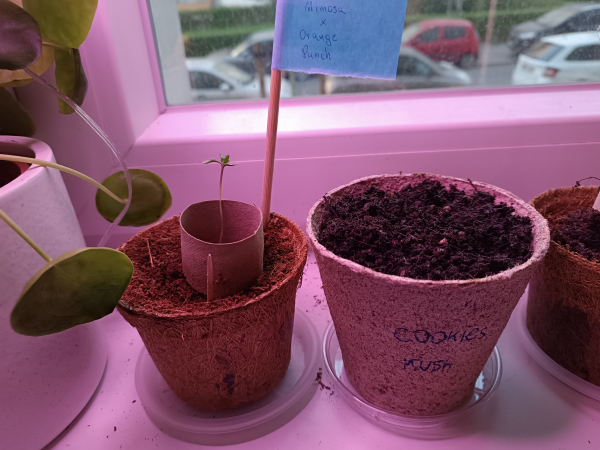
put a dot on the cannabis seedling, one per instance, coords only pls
(224, 161)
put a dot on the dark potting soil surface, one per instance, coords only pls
(8, 171)
(427, 232)
(159, 286)
(580, 233)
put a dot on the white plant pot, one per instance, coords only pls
(44, 381)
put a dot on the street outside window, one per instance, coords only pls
(227, 46)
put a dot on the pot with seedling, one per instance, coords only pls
(50, 281)
(421, 273)
(563, 308)
(213, 297)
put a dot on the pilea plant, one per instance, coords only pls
(224, 162)
(85, 284)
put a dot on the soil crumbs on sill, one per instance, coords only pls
(427, 232)
(580, 233)
(160, 286)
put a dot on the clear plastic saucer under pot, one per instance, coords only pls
(250, 421)
(420, 427)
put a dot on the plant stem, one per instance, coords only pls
(24, 235)
(94, 126)
(221, 201)
(40, 162)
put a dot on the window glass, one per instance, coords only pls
(411, 66)
(543, 51)
(455, 33)
(203, 80)
(235, 39)
(587, 53)
(430, 35)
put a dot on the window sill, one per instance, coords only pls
(423, 121)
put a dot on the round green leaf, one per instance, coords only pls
(80, 286)
(66, 22)
(14, 119)
(20, 37)
(70, 78)
(151, 198)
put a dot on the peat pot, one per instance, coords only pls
(418, 346)
(45, 381)
(220, 355)
(563, 309)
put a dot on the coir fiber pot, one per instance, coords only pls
(563, 309)
(221, 355)
(418, 346)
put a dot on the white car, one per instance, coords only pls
(214, 80)
(563, 58)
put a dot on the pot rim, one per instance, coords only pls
(298, 264)
(223, 244)
(574, 256)
(539, 223)
(41, 151)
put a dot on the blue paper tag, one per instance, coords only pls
(358, 38)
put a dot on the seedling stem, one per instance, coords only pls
(224, 162)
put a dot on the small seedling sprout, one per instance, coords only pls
(224, 161)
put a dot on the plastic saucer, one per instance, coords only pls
(184, 422)
(548, 364)
(423, 427)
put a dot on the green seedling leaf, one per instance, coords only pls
(151, 198)
(20, 37)
(66, 22)
(78, 287)
(14, 119)
(70, 78)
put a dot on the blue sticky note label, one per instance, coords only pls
(358, 38)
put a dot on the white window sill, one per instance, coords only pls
(405, 121)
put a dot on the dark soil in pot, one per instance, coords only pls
(10, 171)
(427, 232)
(579, 232)
(221, 354)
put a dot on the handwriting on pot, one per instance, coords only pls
(421, 336)
(441, 365)
(339, 37)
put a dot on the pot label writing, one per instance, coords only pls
(440, 365)
(468, 334)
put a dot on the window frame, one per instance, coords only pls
(126, 98)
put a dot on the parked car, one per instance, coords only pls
(415, 71)
(212, 80)
(243, 54)
(564, 58)
(453, 40)
(571, 18)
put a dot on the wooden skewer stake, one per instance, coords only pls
(274, 96)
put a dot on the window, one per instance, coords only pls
(203, 80)
(493, 135)
(411, 66)
(454, 33)
(240, 33)
(543, 51)
(430, 35)
(587, 53)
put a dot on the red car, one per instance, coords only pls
(453, 40)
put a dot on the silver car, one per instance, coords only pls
(214, 80)
(415, 71)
